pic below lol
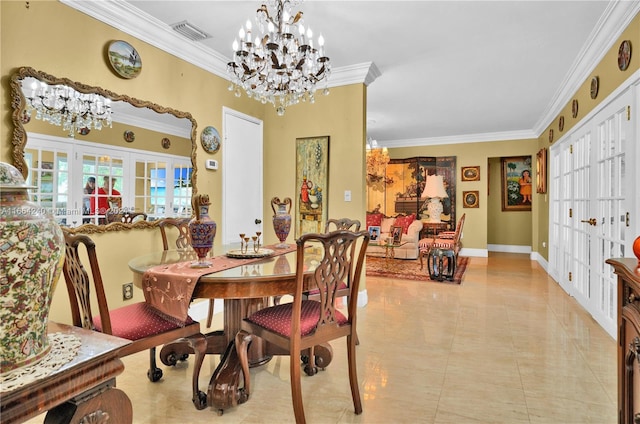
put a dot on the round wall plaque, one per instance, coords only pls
(561, 123)
(210, 139)
(124, 59)
(129, 136)
(595, 82)
(624, 55)
(574, 108)
(166, 143)
(551, 135)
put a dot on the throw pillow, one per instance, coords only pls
(404, 222)
(374, 219)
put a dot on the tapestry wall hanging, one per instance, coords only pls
(312, 178)
(516, 183)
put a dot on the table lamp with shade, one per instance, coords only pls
(434, 191)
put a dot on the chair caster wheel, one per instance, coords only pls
(201, 401)
(170, 360)
(154, 375)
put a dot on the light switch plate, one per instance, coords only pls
(347, 195)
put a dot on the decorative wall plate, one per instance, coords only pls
(124, 59)
(470, 199)
(166, 143)
(574, 108)
(210, 139)
(594, 87)
(551, 135)
(129, 136)
(470, 173)
(561, 123)
(624, 55)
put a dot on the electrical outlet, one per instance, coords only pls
(127, 291)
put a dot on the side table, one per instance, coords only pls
(82, 390)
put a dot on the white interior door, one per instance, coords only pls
(242, 177)
(589, 208)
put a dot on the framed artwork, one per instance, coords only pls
(312, 181)
(374, 233)
(396, 233)
(516, 183)
(470, 199)
(624, 55)
(470, 173)
(210, 139)
(541, 171)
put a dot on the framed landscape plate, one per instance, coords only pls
(124, 59)
(210, 139)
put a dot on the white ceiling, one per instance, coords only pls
(449, 71)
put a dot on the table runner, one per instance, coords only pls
(169, 287)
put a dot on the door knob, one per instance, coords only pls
(591, 221)
(258, 221)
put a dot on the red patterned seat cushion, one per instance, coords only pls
(137, 321)
(278, 318)
(404, 222)
(374, 219)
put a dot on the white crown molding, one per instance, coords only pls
(460, 139)
(615, 19)
(128, 19)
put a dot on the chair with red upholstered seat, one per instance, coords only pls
(302, 324)
(137, 322)
(448, 240)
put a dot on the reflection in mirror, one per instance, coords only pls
(96, 170)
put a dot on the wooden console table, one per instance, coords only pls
(81, 391)
(628, 338)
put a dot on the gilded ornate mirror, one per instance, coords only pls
(101, 161)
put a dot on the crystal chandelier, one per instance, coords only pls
(63, 106)
(377, 160)
(279, 63)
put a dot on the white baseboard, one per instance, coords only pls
(478, 253)
(508, 248)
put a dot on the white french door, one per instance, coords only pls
(590, 201)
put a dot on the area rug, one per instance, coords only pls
(409, 269)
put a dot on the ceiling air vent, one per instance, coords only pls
(190, 31)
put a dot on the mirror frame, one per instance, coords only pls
(18, 104)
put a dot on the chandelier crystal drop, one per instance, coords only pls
(277, 62)
(63, 106)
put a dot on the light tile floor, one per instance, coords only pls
(506, 346)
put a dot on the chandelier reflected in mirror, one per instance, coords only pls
(377, 160)
(278, 63)
(61, 105)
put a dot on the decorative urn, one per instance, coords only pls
(31, 256)
(203, 230)
(281, 219)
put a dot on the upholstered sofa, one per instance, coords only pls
(410, 235)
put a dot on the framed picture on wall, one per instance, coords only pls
(470, 199)
(516, 183)
(312, 181)
(541, 171)
(470, 173)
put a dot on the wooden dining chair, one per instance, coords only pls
(182, 241)
(302, 324)
(138, 322)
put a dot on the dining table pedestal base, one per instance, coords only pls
(224, 389)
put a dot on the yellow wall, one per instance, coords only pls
(75, 50)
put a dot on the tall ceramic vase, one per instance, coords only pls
(281, 219)
(31, 256)
(203, 231)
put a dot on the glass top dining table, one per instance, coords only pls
(245, 289)
(269, 276)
